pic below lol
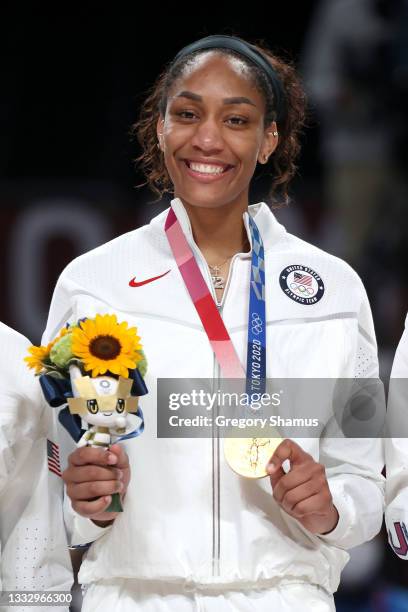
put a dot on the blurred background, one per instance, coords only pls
(72, 81)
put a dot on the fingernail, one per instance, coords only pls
(120, 475)
(270, 468)
(112, 459)
(120, 486)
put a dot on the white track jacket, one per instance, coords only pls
(34, 550)
(188, 518)
(396, 451)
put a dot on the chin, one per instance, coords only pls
(207, 200)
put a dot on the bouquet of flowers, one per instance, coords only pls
(97, 367)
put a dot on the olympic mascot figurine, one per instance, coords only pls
(97, 368)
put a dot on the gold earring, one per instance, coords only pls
(275, 133)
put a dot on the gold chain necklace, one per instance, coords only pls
(218, 281)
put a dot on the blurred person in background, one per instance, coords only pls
(34, 552)
(355, 72)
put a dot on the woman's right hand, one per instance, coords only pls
(91, 477)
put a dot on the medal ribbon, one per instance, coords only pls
(256, 350)
(207, 310)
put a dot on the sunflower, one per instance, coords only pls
(104, 345)
(37, 356)
(40, 355)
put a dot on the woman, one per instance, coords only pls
(195, 535)
(33, 546)
(396, 452)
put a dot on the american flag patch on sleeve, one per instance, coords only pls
(53, 458)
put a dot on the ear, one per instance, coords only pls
(138, 386)
(159, 131)
(269, 143)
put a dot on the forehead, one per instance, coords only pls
(213, 73)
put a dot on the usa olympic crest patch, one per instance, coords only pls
(301, 284)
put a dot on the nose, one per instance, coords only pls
(208, 137)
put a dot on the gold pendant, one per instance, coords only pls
(248, 456)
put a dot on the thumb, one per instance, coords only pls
(275, 472)
(287, 450)
(274, 465)
(122, 460)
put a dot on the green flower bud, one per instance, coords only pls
(142, 364)
(61, 352)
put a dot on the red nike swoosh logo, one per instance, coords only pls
(134, 283)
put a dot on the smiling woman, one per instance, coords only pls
(214, 139)
(272, 92)
(210, 524)
(210, 119)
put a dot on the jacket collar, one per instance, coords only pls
(270, 229)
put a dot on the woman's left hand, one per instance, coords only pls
(303, 492)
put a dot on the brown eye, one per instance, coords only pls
(188, 115)
(92, 406)
(237, 121)
(120, 405)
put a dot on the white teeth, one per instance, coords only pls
(206, 168)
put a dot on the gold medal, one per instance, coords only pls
(248, 456)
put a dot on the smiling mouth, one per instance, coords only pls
(206, 173)
(207, 169)
(107, 413)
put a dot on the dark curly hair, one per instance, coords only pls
(281, 164)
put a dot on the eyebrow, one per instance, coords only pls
(235, 100)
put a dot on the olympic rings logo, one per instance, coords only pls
(256, 323)
(299, 289)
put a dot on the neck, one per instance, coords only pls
(218, 232)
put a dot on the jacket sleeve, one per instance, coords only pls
(21, 407)
(396, 450)
(354, 464)
(30, 494)
(63, 310)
